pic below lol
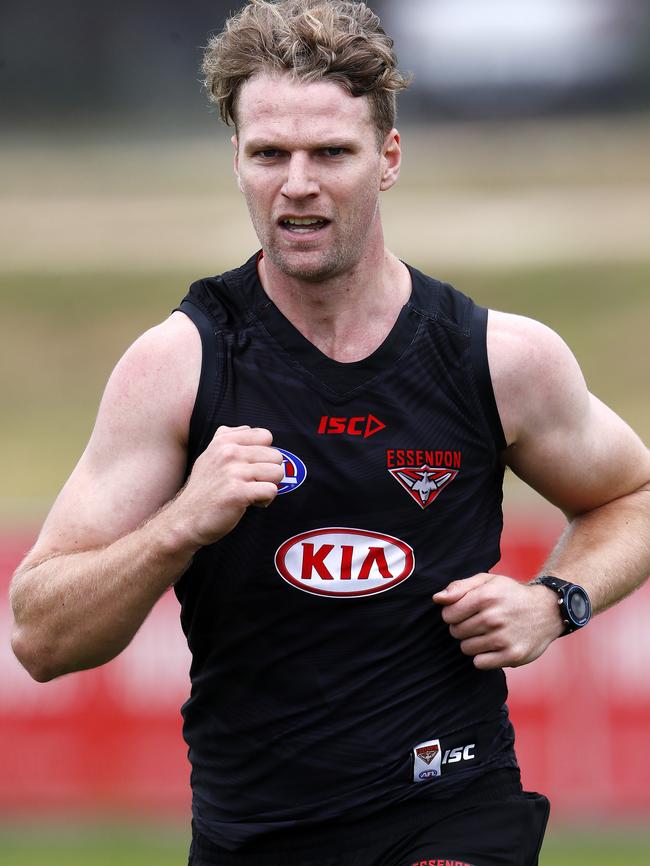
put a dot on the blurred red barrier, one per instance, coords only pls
(110, 739)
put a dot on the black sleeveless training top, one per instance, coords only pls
(324, 680)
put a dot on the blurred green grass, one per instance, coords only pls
(94, 845)
(161, 846)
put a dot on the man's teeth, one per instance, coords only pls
(303, 221)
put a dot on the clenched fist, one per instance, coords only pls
(239, 468)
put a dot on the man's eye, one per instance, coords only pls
(334, 151)
(268, 154)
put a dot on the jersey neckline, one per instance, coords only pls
(338, 376)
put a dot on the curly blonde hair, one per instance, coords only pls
(312, 40)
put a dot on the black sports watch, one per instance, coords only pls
(575, 607)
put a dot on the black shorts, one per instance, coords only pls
(493, 823)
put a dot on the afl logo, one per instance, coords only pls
(342, 562)
(295, 472)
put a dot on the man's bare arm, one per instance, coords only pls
(583, 458)
(124, 528)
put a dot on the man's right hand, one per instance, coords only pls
(238, 468)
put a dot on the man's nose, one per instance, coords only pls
(300, 181)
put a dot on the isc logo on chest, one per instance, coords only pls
(362, 425)
(344, 562)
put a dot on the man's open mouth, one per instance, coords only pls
(304, 225)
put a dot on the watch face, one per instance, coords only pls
(578, 606)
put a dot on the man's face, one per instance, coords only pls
(308, 163)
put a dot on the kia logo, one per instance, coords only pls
(343, 562)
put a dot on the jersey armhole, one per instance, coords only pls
(480, 364)
(206, 396)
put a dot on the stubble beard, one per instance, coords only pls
(311, 266)
(327, 265)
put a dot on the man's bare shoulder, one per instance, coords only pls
(536, 379)
(562, 440)
(135, 459)
(158, 373)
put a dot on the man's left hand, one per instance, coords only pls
(498, 621)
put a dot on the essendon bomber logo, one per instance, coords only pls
(427, 761)
(423, 474)
(428, 753)
(344, 562)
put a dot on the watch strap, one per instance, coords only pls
(563, 588)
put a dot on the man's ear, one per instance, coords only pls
(235, 145)
(391, 160)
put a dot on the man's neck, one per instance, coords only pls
(347, 316)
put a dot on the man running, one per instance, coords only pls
(348, 637)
